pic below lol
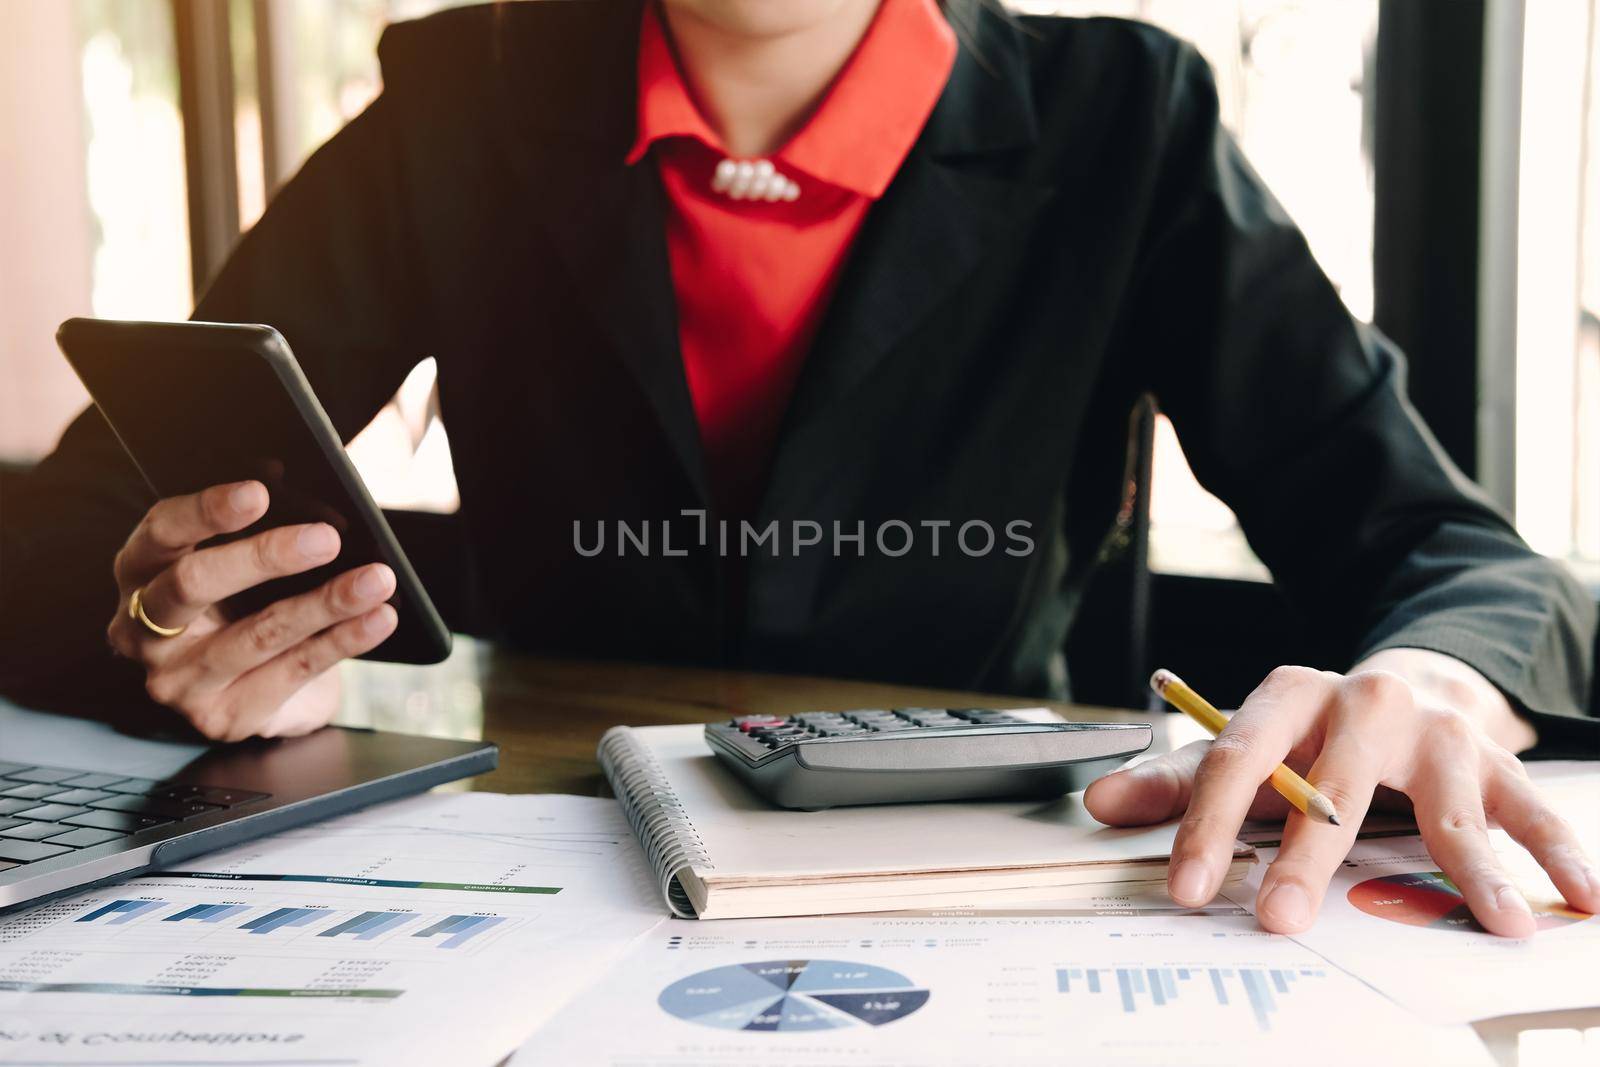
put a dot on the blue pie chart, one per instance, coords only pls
(792, 995)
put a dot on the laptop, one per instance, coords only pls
(82, 803)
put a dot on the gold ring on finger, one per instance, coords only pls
(136, 613)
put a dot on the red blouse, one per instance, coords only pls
(752, 277)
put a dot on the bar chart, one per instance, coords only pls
(230, 918)
(1143, 989)
(206, 913)
(280, 918)
(460, 928)
(368, 925)
(120, 912)
(301, 949)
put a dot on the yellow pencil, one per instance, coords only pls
(1295, 789)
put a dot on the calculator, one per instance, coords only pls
(826, 759)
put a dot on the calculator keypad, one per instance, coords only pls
(775, 732)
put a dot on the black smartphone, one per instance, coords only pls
(197, 404)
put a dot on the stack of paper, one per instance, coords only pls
(435, 930)
(448, 928)
(953, 992)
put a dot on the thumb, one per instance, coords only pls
(1149, 792)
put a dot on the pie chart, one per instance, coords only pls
(1429, 898)
(793, 995)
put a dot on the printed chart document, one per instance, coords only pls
(1393, 918)
(1119, 989)
(439, 929)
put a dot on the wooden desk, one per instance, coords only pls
(548, 715)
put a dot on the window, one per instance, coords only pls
(1556, 369)
(93, 215)
(1586, 473)
(94, 209)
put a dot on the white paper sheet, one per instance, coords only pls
(1393, 919)
(1021, 990)
(440, 929)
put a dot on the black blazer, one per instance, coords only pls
(1072, 229)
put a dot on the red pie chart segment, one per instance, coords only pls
(1429, 898)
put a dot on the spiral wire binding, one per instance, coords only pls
(671, 843)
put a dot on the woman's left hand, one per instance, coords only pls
(1419, 723)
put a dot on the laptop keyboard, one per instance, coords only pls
(47, 811)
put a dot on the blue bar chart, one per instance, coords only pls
(314, 920)
(206, 913)
(369, 924)
(119, 912)
(460, 928)
(1141, 989)
(282, 917)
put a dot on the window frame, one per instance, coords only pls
(211, 158)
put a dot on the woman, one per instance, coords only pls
(819, 294)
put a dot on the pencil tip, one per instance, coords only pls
(1319, 807)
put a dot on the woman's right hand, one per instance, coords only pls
(270, 674)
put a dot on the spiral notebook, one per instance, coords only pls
(720, 851)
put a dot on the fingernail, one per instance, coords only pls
(243, 497)
(317, 540)
(1582, 871)
(377, 621)
(1288, 905)
(1189, 882)
(372, 583)
(1506, 898)
(1571, 867)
